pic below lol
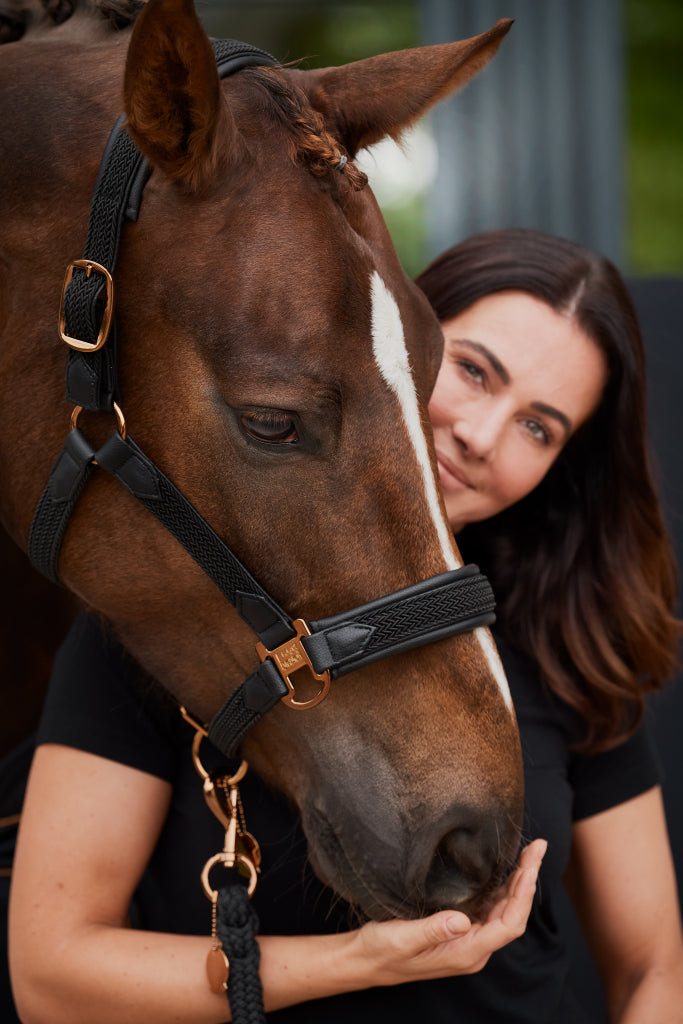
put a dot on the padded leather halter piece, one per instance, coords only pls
(441, 606)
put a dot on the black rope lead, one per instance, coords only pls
(237, 925)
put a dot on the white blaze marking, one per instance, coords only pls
(493, 658)
(391, 356)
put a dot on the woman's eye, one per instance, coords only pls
(472, 371)
(537, 430)
(272, 428)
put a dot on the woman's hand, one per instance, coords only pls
(448, 943)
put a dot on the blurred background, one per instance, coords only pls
(576, 128)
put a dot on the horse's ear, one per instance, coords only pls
(172, 95)
(364, 101)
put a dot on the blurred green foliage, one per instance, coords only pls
(654, 40)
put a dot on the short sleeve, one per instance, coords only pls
(604, 780)
(100, 701)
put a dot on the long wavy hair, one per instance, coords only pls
(583, 568)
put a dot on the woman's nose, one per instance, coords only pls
(477, 431)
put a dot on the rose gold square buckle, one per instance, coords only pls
(85, 346)
(291, 656)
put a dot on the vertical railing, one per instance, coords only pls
(537, 140)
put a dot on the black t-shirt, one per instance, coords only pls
(101, 702)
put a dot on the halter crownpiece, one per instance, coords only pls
(450, 603)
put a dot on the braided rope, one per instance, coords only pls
(237, 926)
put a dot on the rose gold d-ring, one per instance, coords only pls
(223, 858)
(118, 412)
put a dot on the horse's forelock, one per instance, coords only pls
(310, 142)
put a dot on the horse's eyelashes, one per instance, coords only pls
(270, 427)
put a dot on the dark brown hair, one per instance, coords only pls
(582, 567)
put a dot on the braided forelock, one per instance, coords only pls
(309, 141)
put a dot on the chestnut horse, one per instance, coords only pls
(276, 362)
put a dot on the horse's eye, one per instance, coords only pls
(270, 427)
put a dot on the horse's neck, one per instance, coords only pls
(60, 100)
(61, 91)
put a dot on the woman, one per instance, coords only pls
(539, 428)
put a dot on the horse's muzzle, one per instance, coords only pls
(455, 865)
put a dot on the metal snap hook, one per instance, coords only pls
(225, 859)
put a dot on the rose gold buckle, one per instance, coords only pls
(76, 343)
(289, 658)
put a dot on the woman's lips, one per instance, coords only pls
(451, 476)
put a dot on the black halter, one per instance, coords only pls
(450, 603)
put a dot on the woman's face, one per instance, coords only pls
(516, 381)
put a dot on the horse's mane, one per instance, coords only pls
(16, 16)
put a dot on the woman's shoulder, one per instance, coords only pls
(611, 777)
(100, 700)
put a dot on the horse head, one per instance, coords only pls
(276, 362)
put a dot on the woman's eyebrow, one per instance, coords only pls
(495, 362)
(550, 410)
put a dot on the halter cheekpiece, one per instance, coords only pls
(450, 603)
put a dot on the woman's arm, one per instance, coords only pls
(622, 883)
(88, 829)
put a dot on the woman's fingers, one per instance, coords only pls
(518, 892)
(405, 941)
(510, 913)
(509, 916)
(523, 884)
(441, 927)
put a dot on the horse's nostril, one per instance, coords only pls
(467, 864)
(462, 849)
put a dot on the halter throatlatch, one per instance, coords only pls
(441, 606)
